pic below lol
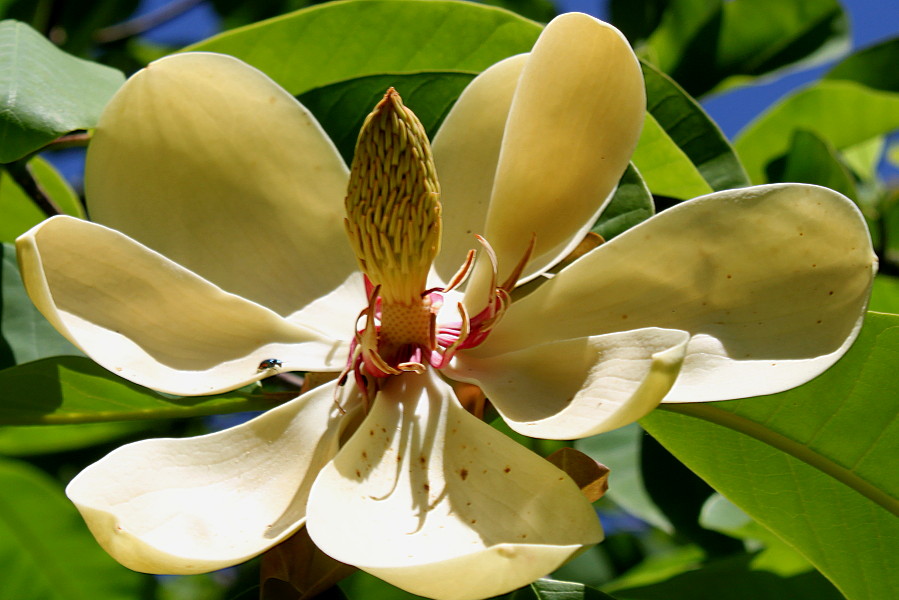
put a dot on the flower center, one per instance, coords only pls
(393, 222)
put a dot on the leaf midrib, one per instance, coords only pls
(789, 446)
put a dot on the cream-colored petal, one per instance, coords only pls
(335, 313)
(432, 500)
(580, 387)
(153, 322)
(771, 281)
(206, 160)
(466, 152)
(181, 506)
(573, 125)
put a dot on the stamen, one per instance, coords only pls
(462, 274)
(516, 272)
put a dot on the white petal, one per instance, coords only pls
(153, 322)
(335, 313)
(466, 151)
(432, 500)
(208, 161)
(772, 282)
(573, 125)
(579, 387)
(182, 506)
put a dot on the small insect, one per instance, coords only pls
(269, 363)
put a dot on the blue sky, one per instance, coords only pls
(870, 21)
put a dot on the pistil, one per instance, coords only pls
(393, 202)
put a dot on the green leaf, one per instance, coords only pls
(31, 440)
(662, 473)
(885, 294)
(25, 335)
(722, 515)
(20, 213)
(733, 578)
(664, 166)
(637, 19)
(337, 41)
(811, 159)
(844, 113)
(682, 152)
(45, 92)
(710, 45)
(550, 589)
(874, 66)
(430, 95)
(631, 204)
(46, 550)
(864, 158)
(620, 451)
(693, 131)
(657, 567)
(71, 389)
(815, 464)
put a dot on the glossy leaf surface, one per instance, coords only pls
(45, 549)
(430, 95)
(72, 389)
(812, 464)
(844, 113)
(705, 43)
(20, 213)
(25, 335)
(327, 43)
(631, 204)
(45, 92)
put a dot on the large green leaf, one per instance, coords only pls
(678, 120)
(430, 95)
(844, 113)
(885, 294)
(874, 66)
(816, 464)
(25, 335)
(72, 389)
(693, 131)
(45, 92)
(713, 44)
(20, 213)
(32, 440)
(720, 514)
(46, 551)
(337, 41)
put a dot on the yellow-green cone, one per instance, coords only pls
(393, 201)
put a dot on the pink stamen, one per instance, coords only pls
(369, 367)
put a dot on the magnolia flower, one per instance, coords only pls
(219, 255)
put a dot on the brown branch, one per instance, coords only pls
(71, 140)
(138, 25)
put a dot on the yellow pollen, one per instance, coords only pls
(393, 202)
